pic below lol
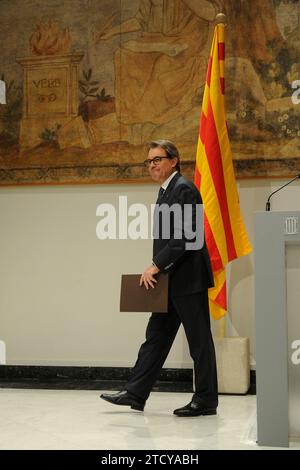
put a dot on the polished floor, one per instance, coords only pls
(56, 419)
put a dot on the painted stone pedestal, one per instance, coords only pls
(50, 95)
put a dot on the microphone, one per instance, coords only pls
(268, 204)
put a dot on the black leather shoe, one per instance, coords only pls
(124, 398)
(195, 409)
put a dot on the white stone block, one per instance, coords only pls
(2, 352)
(233, 364)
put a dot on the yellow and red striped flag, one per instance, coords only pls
(225, 232)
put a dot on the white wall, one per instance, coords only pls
(59, 284)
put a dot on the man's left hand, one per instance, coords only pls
(147, 278)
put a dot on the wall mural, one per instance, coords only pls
(89, 82)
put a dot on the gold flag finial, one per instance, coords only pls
(221, 18)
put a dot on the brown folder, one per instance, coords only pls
(136, 298)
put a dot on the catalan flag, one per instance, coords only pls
(225, 233)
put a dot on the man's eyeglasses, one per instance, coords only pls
(154, 160)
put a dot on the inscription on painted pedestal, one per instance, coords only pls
(47, 94)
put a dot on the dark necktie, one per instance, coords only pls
(160, 194)
(156, 213)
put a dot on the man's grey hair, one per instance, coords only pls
(170, 149)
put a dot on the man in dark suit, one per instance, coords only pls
(190, 276)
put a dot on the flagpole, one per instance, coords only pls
(221, 19)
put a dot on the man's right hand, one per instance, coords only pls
(147, 278)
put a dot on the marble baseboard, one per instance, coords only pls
(93, 378)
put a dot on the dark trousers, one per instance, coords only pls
(193, 312)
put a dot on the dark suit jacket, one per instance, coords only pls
(189, 270)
